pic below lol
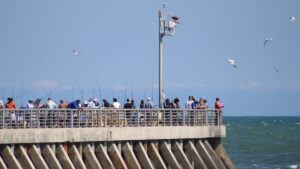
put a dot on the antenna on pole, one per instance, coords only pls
(166, 28)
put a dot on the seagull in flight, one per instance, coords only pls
(76, 53)
(165, 4)
(292, 19)
(232, 62)
(267, 40)
(276, 70)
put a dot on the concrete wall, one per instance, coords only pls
(61, 135)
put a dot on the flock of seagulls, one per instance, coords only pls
(232, 61)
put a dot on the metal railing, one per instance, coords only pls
(74, 118)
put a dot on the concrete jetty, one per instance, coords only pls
(113, 139)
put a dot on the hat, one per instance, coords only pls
(1, 102)
(85, 102)
(95, 99)
(148, 98)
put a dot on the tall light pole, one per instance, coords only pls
(166, 28)
(160, 14)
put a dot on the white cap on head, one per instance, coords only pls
(148, 99)
(1, 102)
(85, 102)
(95, 99)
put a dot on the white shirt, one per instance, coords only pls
(30, 106)
(188, 104)
(91, 104)
(116, 105)
(50, 104)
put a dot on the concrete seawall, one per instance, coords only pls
(55, 135)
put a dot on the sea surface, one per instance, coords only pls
(263, 142)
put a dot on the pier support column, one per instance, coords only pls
(36, 157)
(169, 156)
(214, 155)
(90, 157)
(116, 157)
(130, 158)
(24, 158)
(180, 156)
(194, 155)
(2, 164)
(221, 152)
(50, 158)
(76, 158)
(103, 157)
(205, 155)
(10, 159)
(155, 157)
(142, 156)
(63, 157)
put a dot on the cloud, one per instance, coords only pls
(249, 86)
(49, 84)
(176, 85)
(200, 85)
(119, 87)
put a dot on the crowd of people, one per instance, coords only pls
(192, 103)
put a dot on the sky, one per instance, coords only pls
(118, 45)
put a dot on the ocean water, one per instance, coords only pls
(263, 142)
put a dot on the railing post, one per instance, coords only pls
(3, 119)
(71, 120)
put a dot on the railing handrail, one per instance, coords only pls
(90, 117)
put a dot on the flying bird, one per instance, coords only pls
(292, 19)
(267, 40)
(232, 62)
(276, 70)
(165, 4)
(76, 53)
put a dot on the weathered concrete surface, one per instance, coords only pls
(50, 158)
(76, 158)
(9, 158)
(168, 155)
(180, 156)
(36, 158)
(63, 157)
(58, 135)
(103, 157)
(23, 158)
(2, 164)
(194, 155)
(130, 158)
(214, 155)
(142, 156)
(116, 157)
(90, 157)
(221, 152)
(155, 157)
(210, 163)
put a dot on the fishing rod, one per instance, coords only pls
(25, 93)
(80, 91)
(99, 90)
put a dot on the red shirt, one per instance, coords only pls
(10, 105)
(218, 105)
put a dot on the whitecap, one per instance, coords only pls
(255, 165)
(297, 123)
(293, 166)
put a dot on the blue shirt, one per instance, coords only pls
(194, 105)
(73, 105)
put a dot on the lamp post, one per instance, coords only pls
(166, 28)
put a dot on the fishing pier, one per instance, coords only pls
(112, 138)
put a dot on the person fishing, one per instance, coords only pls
(218, 106)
